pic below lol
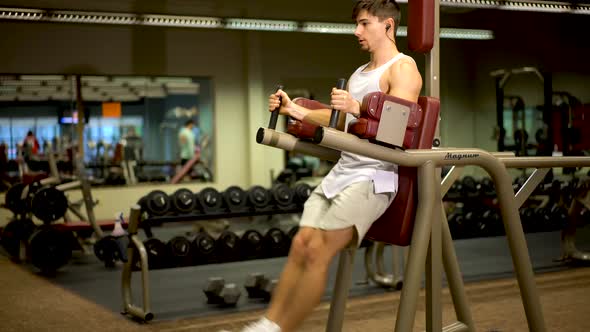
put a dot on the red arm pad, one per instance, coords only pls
(371, 108)
(304, 129)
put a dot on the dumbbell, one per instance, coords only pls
(455, 191)
(276, 243)
(259, 286)
(469, 186)
(492, 219)
(519, 182)
(558, 218)
(156, 203)
(528, 218)
(203, 248)
(283, 196)
(302, 193)
(16, 231)
(474, 226)
(457, 224)
(50, 249)
(251, 245)
(108, 250)
(183, 201)
(235, 199)
(210, 201)
(487, 187)
(220, 293)
(227, 246)
(180, 251)
(157, 253)
(258, 198)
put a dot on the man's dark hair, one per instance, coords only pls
(189, 122)
(383, 9)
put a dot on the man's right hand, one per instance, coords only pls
(274, 102)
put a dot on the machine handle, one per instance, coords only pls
(274, 116)
(341, 85)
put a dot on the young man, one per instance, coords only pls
(358, 189)
(186, 140)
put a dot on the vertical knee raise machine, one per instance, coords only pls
(416, 217)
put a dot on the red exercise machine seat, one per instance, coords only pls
(395, 226)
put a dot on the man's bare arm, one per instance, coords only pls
(405, 81)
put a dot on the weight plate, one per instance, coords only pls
(235, 198)
(49, 204)
(210, 200)
(14, 232)
(49, 249)
(157, 203)
(183, 200)
(13, 200)
(282, 195)
(251, 245)
(302, 192)
(258, 197)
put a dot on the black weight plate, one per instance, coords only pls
(107, 250)
(282, 194)
(183, 200)
(49, 249)
(251, 244)
(179, 246)
(302, 192)
(157, 203)
(203, 247)
(49, 204)
(227, 246)
(13, 200)
(180, 249)
(258, 197)
(157, 253)
(210, 200)
(14, 232)
(469, 184)
(234, 197)
(276, 243)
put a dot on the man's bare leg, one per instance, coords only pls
(291, 273)
(308, 290)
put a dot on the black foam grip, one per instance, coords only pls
(341, 85)
(274, 116)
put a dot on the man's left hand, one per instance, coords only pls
(341, 100)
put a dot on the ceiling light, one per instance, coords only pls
(42, 77)
(263, 25)
(534, 6)
(182, 21)
(213, 22)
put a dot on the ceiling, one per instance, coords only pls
(312, 10)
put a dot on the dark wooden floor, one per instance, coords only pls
(31, 303)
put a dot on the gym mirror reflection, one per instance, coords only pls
(132, 126)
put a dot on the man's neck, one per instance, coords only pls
(382, 55)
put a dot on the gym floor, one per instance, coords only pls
(85, 296)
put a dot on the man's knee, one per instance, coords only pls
(300, 243)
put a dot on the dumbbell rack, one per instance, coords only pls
(144, 313)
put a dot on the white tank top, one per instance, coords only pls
(352, 168)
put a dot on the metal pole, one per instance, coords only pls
(419, 249)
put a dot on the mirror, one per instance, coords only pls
(131, 132)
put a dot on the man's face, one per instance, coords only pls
(369, 30)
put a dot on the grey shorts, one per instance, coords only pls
(357, 205)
